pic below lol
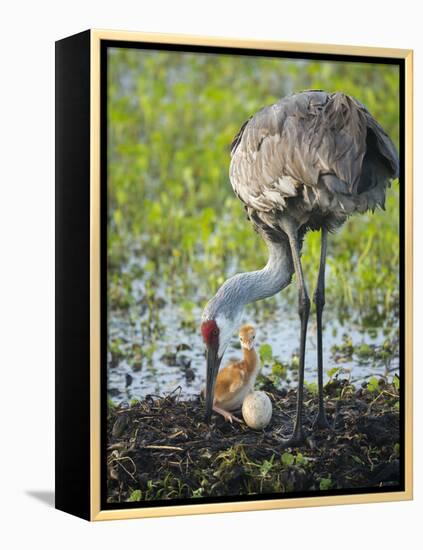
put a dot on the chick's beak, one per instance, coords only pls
(213, 363)
(248, 344)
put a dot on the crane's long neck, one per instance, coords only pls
(270, 280)
(244, 288)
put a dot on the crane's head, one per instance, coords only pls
(220, 317)
(216, 334)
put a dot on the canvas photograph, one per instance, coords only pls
(252, 251)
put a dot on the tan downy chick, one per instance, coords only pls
(237, 379)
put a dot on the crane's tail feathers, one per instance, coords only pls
(360, 153)
(385, 146)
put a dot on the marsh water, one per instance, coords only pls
(175, 227)
(144, 360)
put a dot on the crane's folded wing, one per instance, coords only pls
(306, 140)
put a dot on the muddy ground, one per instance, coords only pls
(160, 448)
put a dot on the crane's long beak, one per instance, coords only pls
(213, 363)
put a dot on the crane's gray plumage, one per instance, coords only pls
(306, 162)
(244, 288)
(319, 156)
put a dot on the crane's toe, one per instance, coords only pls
(297, 439)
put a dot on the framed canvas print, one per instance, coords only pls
(233, 275)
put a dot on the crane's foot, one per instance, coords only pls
(297, 439)
(321, 422)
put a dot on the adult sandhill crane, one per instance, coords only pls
(305, 163)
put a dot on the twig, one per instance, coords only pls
(120, 459)
(172, 436)
(163, 447)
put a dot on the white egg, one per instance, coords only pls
(257, 410)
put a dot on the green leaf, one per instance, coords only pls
(295, 362)
(300, 459)
(266, 353)
(110, 403)
(333, 371)
(396, 382)
(373, 384)
(117, 217)
(135, 496)
(266, 466)
(364, 351)
(287, 459)
(312, 387)
(279, 370)
(325, 483)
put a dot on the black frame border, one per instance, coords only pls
(72, 274)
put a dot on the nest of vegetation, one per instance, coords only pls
(161, 448)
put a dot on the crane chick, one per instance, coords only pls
(237, 378)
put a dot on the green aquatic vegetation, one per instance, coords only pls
(295, 361)
(266, 353)
(170, 201)
(365, 353)
(343, 351)
(311, 387)
(279, 370)
(381, 388)
(325, 483)
(176, 230)
(136, 357)
(116, 351)
(266, 466)
(287, 459)
(334, 371)
(135, 496)
(373, 384)
(170, 487)
(110, 403)
(270, 474)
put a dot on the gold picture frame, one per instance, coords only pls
(87, 502)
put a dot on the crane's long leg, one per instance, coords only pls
(319, 300)
(303, 311)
